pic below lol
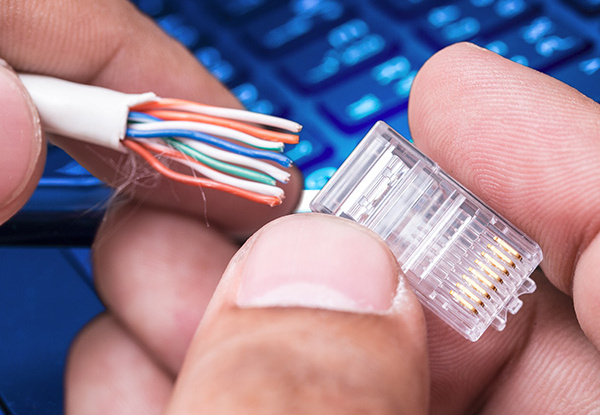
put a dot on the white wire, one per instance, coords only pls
(263, 189)
(241, 115)
(238, 159)
(209, 129)
(228, 157)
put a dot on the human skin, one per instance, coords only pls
(523, 142)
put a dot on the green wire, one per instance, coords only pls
(220, 165)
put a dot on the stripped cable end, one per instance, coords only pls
(233, 150)
(230, 148)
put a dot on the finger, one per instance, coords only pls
(156, 270)
(109, 373)
(557, 369)
(586, 292)
(524, 142)
(23, 153)
(308, 319)
(111, 44)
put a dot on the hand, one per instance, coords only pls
(108, 44)
(273, 339)
(157, 263)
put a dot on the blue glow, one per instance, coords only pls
(546, 47)
(509, 8)
(539, 28)
(442, 16)
(329, 67)
(317, 179)
(520, 59)
(302, 149)
(590, 66)
(498, 46)
(363, 49)
(365, 106)
(391, 70)
(461, 30)
(404, 85)
(348, 32)
(246, 93)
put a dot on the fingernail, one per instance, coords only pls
(20, 136)
(318, 261)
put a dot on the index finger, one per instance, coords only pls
(526, 143)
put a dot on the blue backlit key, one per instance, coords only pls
(540, 43)
(254, 100)
(294, 23)
(309, 151)
(470, 18)
(177, 27)
(582, 74)
(347, 48)
(371, 95)
(222, 68)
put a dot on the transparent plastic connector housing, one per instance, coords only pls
(464, 261)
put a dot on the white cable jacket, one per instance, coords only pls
(86, 113)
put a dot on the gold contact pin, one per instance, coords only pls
(476, 286)
(501, 255)
(481, 278)
(461, 300)
(508, 248)
(469, 294)
(495, 263)
(488, 271)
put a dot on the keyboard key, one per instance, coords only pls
(309, 151)
(346, 49)
(315, 180)
(582, 74)
(177, 27)
(540, 43)
(254, 100)
(467, 19)
(372, 95)
(295, 23)
(221, 68)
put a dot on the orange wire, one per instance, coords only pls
(197, 181)
(166, 103)
(223, 122)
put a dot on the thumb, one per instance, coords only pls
(23, 153)
(309, 318)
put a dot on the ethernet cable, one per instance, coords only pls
(465, 262)
(231, 150)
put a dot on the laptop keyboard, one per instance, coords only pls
(335, 66)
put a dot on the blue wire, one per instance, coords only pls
(217, 142)
(140, 116)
